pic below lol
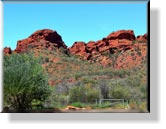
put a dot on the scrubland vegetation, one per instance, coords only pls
(77, 82)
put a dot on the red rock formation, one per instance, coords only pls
(41, 39)
(80, 49)
(116, 42)
(102, 51)
(122, 34)
(92, 47)
(7, 51)
(142, 38)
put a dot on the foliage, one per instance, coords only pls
(24, 82)
(103, 105)
(78, 104)
(80, 82)
(83, 94)
(120, 92)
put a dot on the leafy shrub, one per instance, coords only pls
(91, 93)
(143, 90)
(134, 81)
(77, 76)
(24, 81)
(76, 94)
(83, 94)
(120, 92)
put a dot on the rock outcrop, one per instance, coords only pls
(122, 34)
(119, 39)
(101, 50)
(47, 39)
(80, 49)
(142, 38)
(7, 51)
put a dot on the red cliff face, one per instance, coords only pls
(7, 51)
(115, 44)
(45, 38)
(117, 40)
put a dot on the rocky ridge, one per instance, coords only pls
(117, 44)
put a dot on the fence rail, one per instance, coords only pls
(111, 101)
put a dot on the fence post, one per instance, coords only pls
(96, 101)
(123, 104)
(100, 101)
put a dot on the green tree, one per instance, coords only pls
(24, 82)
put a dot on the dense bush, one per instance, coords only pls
(120, 92)
(24, 82)
(83, 94)
(76, 94)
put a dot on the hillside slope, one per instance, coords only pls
(117, 65)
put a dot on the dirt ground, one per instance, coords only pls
(79, 110)
(106, 110)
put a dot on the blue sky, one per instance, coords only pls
(74, 22)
